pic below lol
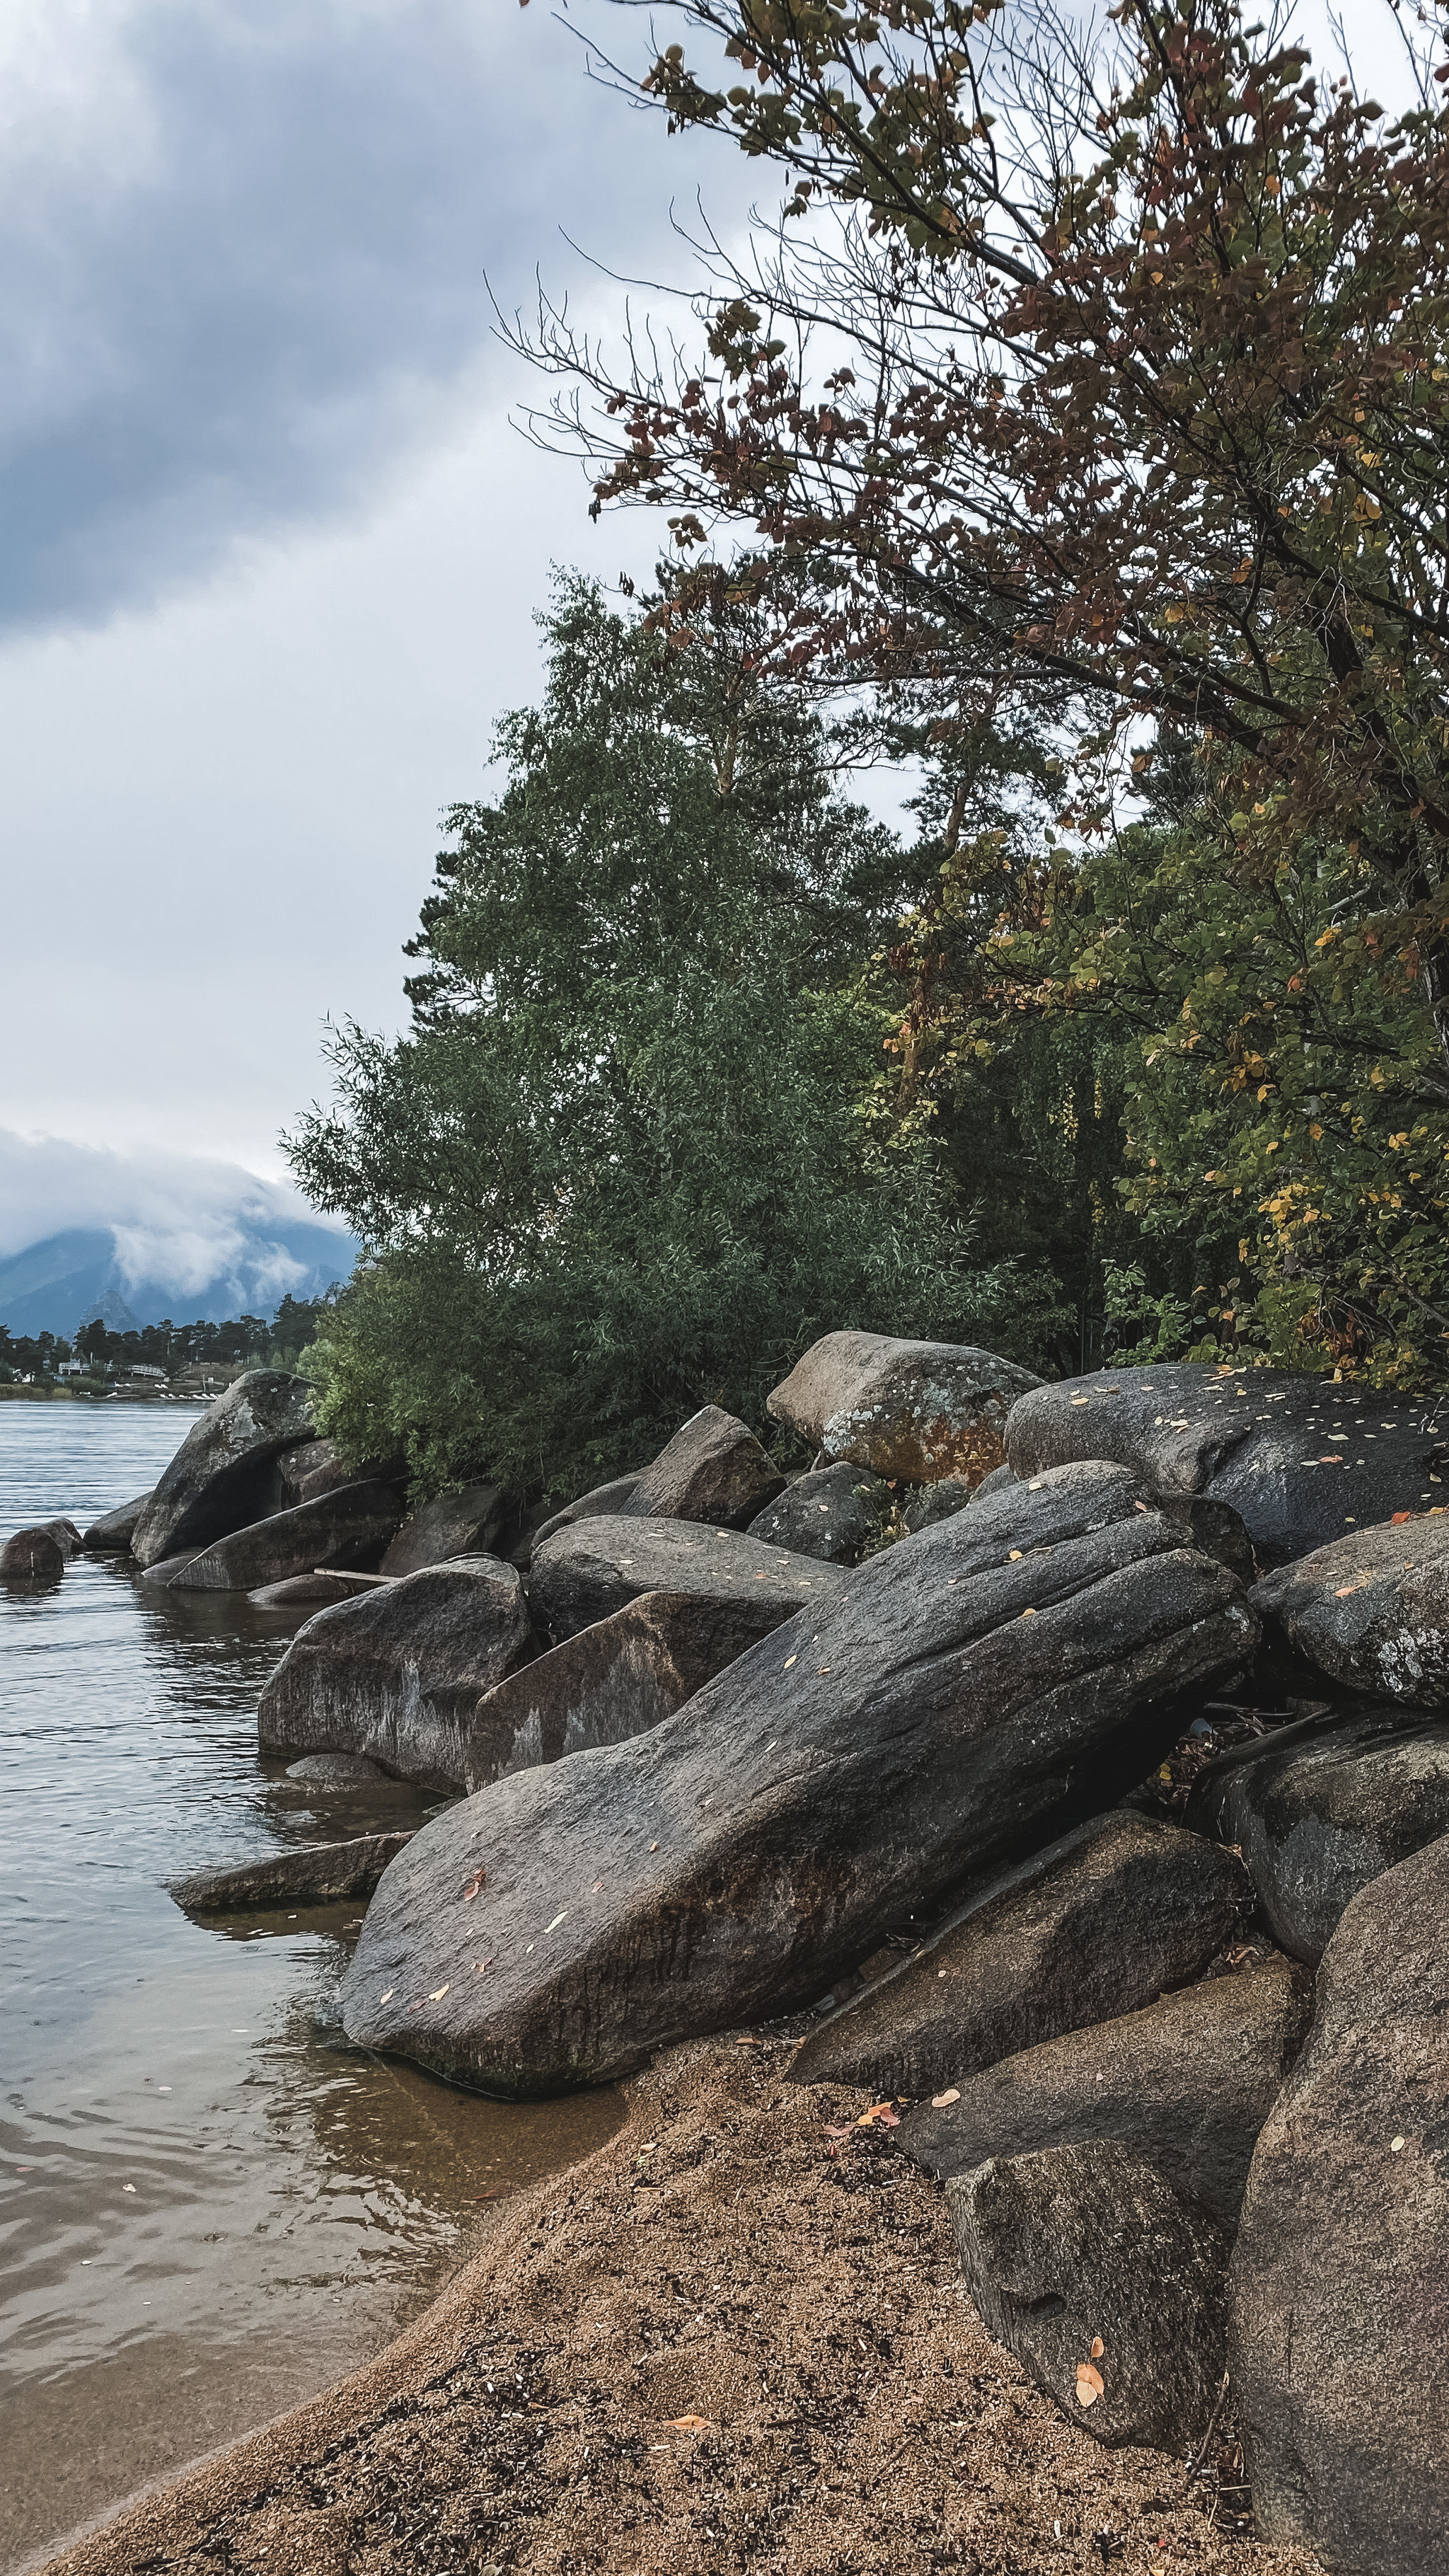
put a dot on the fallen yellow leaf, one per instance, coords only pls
(940, 2100)
(437, 1994)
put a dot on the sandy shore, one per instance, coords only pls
(715, 2345)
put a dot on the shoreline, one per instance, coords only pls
(717, 2343)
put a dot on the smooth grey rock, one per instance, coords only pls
(336, 1770)
(592, 1568)
(1095, 1926)
(1298, 1458)
(324, 1583)
(1087, 2251)
(1320, 1809)
(350, 1527)
(318, 1467)
(317, 1874)
(1187, 2082)
(1339, 2295)
(712, 1470)
(996, 1483)
(616, 1679)
(114, 1531)
(39, 1554)
(881, 1744)
(163, 1574)
(398, 1673)
(832, 1513)
(218, 1479)
(921, 1410)
(602, 1502)
(1371, 1610)
(938, 1502)
(463, 1524)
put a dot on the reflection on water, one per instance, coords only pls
(210, 2205)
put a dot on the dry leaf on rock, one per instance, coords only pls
(1089, 2384)
(940, 2100)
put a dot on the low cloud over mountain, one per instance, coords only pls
(162, 1234)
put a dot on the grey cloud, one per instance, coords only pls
(246, 263)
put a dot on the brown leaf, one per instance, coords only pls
(688, 2424)
(1089, 2384)
(878, 2111)
(1396, 1519)
(1098, 2347)
(476, 1885)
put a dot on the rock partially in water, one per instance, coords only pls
(163, 1574)
(592, 1568)
(921, 1410)
(615, 1680)
(218, 1479)
(1188, 2082)
(336, 1770)
(316, 1874)
(347, 1528)
(469, 1523)
(866, 1756)
(321, 1585)
(1299, 1459)
(39, 1554)
(1108, 2287)
(1095, 1926)
(713, 1469)
(833, 1513)
(1371, 1610)
(1320, 1809)
(1339, 2319)
(398, 1673)
(114, 1531)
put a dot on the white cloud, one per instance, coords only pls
(174, 1216)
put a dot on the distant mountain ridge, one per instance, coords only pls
(62, 1283)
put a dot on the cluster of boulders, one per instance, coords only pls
(885, 1743)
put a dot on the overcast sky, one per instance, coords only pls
(271, 545)
(272, 548)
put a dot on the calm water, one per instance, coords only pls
(209, 2206)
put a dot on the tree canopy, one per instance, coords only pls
(1099, 370)
(623, 1161)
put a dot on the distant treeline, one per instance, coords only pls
(278, 1343)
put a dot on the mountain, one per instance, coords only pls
(60, 1284)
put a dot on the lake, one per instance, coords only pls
(211, 2205)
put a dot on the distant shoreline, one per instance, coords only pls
(75, 1395)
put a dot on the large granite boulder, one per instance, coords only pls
(469, 1523)
(1321, 1808)
(218, 1479)
(616, 1679)
(1339, 2300)
(349, 1527)
(1188, 2082)
(398, 1673)
(314, 1874)
(591, 1568)
(712, 1470)
(921, 1410)
(937, 1502)
(113, 1532)
(39, 1554)
(911, 1724)
(1108, 2287)
(1094, 1926)
(834, 1513)
(1300, 1459)
(1371, 1610)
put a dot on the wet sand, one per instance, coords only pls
(713, 2346)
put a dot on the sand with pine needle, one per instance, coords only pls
(716, 2345)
